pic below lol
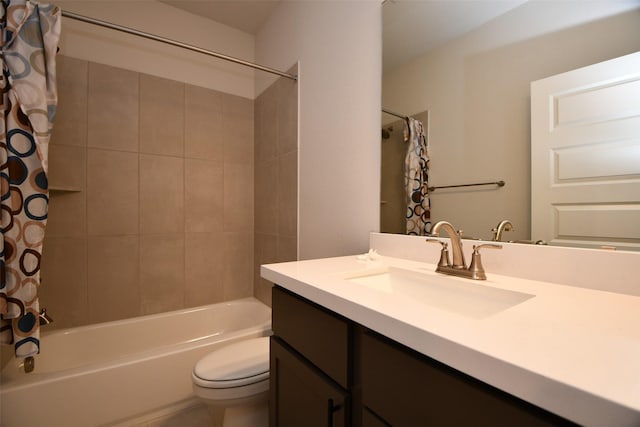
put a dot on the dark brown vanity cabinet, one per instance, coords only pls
(301, 395)
(405, 388)
(309, 369)
(329, 371)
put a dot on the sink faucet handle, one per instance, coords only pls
(444, 253)
(476, 248)
(475, 268)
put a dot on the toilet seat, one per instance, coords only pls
(236, 365)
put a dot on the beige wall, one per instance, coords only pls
(276, 179)
(110, 47)
(477, 90)
(156, 207)
(338, 47)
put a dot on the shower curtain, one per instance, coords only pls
(30, 34)
(416, 179)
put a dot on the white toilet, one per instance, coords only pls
(235, 380)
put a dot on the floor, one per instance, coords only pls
(193, 416)
(197, 416)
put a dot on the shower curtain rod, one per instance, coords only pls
(165, 40)
(384, 110)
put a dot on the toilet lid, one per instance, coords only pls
(238, 364)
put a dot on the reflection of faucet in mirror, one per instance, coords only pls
(505, 225)
(459, 267)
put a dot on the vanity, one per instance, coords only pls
(384, 340)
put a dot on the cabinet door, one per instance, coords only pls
(319, 335)
(300, 395)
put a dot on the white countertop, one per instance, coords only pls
(570, 350)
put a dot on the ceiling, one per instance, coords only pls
(413, 27)
(245, 15)
(410, 27)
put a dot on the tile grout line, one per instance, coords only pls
(139, 233)
(86, 189)
(184, 196)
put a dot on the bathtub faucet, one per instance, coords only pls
(44, 318)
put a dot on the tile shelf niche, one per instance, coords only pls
(55, 189)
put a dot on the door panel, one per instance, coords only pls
(585, 156)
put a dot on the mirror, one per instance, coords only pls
(476, 85)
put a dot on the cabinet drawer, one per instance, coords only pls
(316, 333)
(406, 388)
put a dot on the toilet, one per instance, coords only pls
(234, 383)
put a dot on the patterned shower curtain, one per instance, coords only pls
(416, 178)
(30, 34)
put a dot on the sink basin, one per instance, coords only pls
(466, 297)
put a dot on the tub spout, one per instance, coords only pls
(29, 364)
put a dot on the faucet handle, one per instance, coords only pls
(475, 268)
(444, 253)
(476, 248)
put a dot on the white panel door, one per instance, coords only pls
(585, 156)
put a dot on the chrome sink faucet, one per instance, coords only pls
(458, 267)
(504, 225)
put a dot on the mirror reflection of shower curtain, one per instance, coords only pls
(418, 220)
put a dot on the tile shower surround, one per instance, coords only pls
(158, 208)
(276, 179)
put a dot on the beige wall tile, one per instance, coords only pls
(287, 116)
(266, 197)
(67, 214)
(112, 108)
(203, 196)
(112, 192)
(266, 126)
(63, 289)
(265, 252)
(161, 116)
(113, 277)
(237, 105)
(288, 194)
(238, 198)
(287, 249)
(203, 124)
(238, 265)
(70, 126)
(161, 272)
(237, 129)
(204, 264)
(67, 167)
(276, 180)
(237, 134)
(161, 194)
(193, 179)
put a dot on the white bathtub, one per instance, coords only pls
(114, 371)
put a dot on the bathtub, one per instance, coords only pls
(108, 373)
